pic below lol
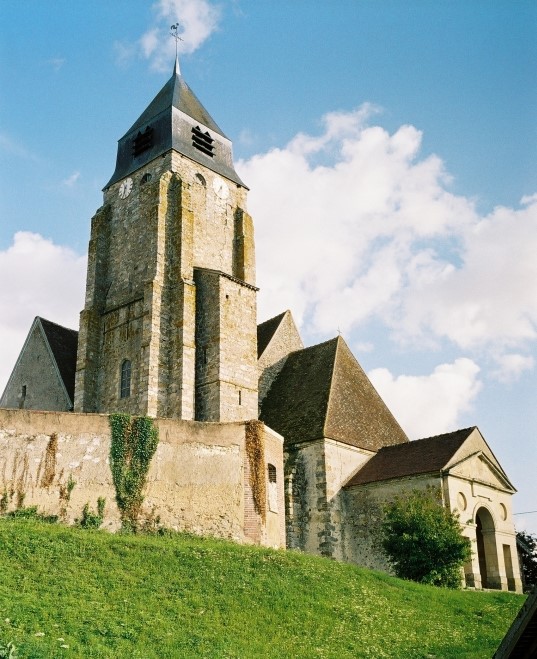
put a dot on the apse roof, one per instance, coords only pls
(322, 391)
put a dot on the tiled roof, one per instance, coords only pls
(63, 343)
(418, 457)
(296, 404)
(323, 392)
(265, 332)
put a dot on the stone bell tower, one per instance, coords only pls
(169, 323)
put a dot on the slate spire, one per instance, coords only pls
(175, 119)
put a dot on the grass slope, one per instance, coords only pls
(148, 596)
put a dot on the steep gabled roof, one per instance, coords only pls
(265, 332)
(357, 414)
(421, 456)
(63, 344)
(323, 392)
(60, 344)
(296, 404)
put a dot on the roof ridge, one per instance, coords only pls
(51, 322)
(278, 325)
(331, 388)
(446, 434)
(268, 320)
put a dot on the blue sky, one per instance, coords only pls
(390, 151)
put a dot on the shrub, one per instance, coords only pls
(527, 543)
(423, 540)
(91, 520)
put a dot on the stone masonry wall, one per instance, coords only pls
(226, 354)
(341, 462)
(35, 371)
(195, 482)
(142, 255)
(315, 475)
(305, 496)
(363, 515)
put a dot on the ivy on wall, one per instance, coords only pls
(134, 442)
(255, 450)
(50, 461)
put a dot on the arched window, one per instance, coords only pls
(125, 386)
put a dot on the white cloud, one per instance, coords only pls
(529, 199)
(198, 19)
(353, 226)
(490, 299)
(70, 181)
(38, 278)
(427, 405)
(512, 365)
(340, 216)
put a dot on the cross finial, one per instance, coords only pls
(175, 34)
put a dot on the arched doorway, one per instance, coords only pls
(487, 552)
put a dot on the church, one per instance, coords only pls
(261, 439)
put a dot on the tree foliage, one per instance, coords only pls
(423, 540)
(528, 555)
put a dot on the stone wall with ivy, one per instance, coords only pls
(195, 481)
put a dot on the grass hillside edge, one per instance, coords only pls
(72, 592)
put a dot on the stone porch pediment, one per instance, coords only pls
(478, 468)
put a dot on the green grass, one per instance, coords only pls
(177, 596)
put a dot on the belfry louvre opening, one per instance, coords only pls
(142, 141)
(202, 141)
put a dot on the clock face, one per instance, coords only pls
(220, 188)
(125, 188)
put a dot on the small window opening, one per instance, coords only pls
(125, 388)
(146, 178)
(240, 397)
(202, 141)
(204, 355)
(142, 141)
(23, 392)
(201, 179)
(272, 489)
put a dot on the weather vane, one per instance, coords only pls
(175, 34)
